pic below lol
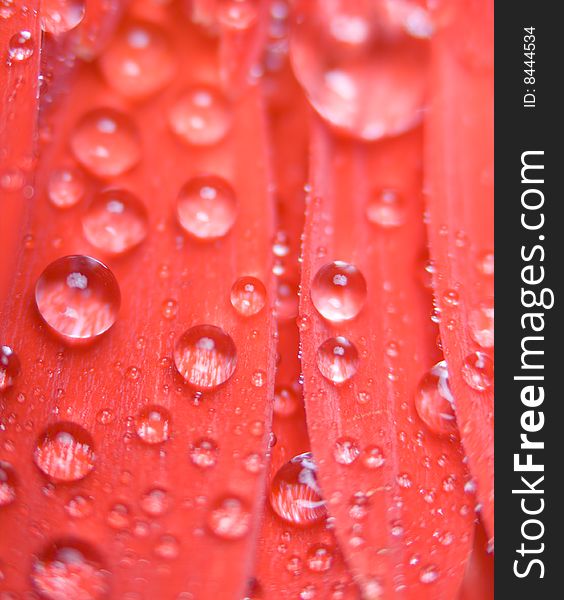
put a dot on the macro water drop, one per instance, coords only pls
(337, 359)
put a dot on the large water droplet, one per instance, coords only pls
(205, 356)
(9, 367)
(434, 401)
(338, 291)
(66, 187)
(337, 359)
(115, 221)
(70, 569)
(7, 484)
(106, 142)
(201, 116)
(386, 209)
(207, 207)
(362, 64)
(78, 297)
(295, 495)
(60, 16)
(248, 296)
(230, 518)
(21, 46)
(65, 452)
(153, 424)
(139, 61)
(478, 371)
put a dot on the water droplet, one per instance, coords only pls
(155, 502)
(203, 453)
(346, 451)
(286, 299)
(404, 480)
(70, 569)
(319, 558)
(373, 457)
(230, 519)
(79, 507)
(386, 209)
(167, 547)
(205, 356)
(9, 367)
(153, 424)
(450, 298)
(66, 187)
(338, 291)
(486, 264)
(295, 495)
(201, 116)
(78, 297)
(363, 66)
(65, 452)
(7, 9)
(21, 46)
(481, 325)
(434, 401)
(248, 296)
(237, 14)
(429, 574)
(119, 517)
(478, 371)
(7, 484)
(106, 142)
(258, 379)
(206, 207)
(115, 221)
(337, 359)
(104, 416)
(138, 61)
(60, 16)
(170, 308)
(286, 401)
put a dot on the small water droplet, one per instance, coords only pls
(60, 16)
(481, 326)
(21, 46)
(295, 495)
(65, 452)
(486, 264)
(78, 297)
(119, 517)
(169, 308)
(434, 401)
(319, 558)
(155, 502)
(115, 222)
(248, 296)
(7, 483)
(9, 367)
(337, 359)
(106, 142)
(286, 402)
(258, 379)
(66, 187)
(203, 453)
(429, 574)
(478, 371)
(450, 298)
(386, 208)
(373, 457)
(346, 451)
(167, 547)
(206, 207)
(338, 291)
(153, 424)
(404, 480)
(79, 507)
(201, 116)
(237, 14)
(230, 518)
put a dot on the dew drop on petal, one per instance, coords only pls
(434, 401)
(346, 451)
(116, 221)
(481, 325)
(106, 142)
(138, 61)
(286, 401)
(237, 14)
(478, 371)
(155, 502)
(294, 493)
(201, 116)
(319, 558)
(206, 207)
(78, 297)
(60, 16)
(153, 424)
(7, 484)
(9, 367)
(65, 452)
(203, 453)
(229, 518)
(167, 547)
(386, 208)
(70, 569)
(205, 356)
(338, 291)
(248, 296)
(119, 516)
(66, 187)
(337, 359)
(79, 507)
(429, 574)
(21, 46)
(373, 457)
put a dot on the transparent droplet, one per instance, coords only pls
(386, 208)
(69, 568)
(203, 453)
(434, 401)
(337, 359)
(230, 519)
(60, 16)
(248, 296)
(153, 424)
(79, 507)
(363, 65)
(338, 291)
(205, 356)
(486, 264)
(346, 451)
(237, 14)
(373, 457)
(170, 308)
(286, 401)
(286, 300)
(478, 371)
(138, 61)
(106, 142)
(201, 116)
(66, 187)
(155, 502)
(481, 325)
(429, 574)
(319, 558)
(65, 452)
(119, 517)
(294, 493)
(9, 367)
(78, 297)
(7, 484)
(21, 46)
(116, 221)
(206, 207)
(167, 547)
